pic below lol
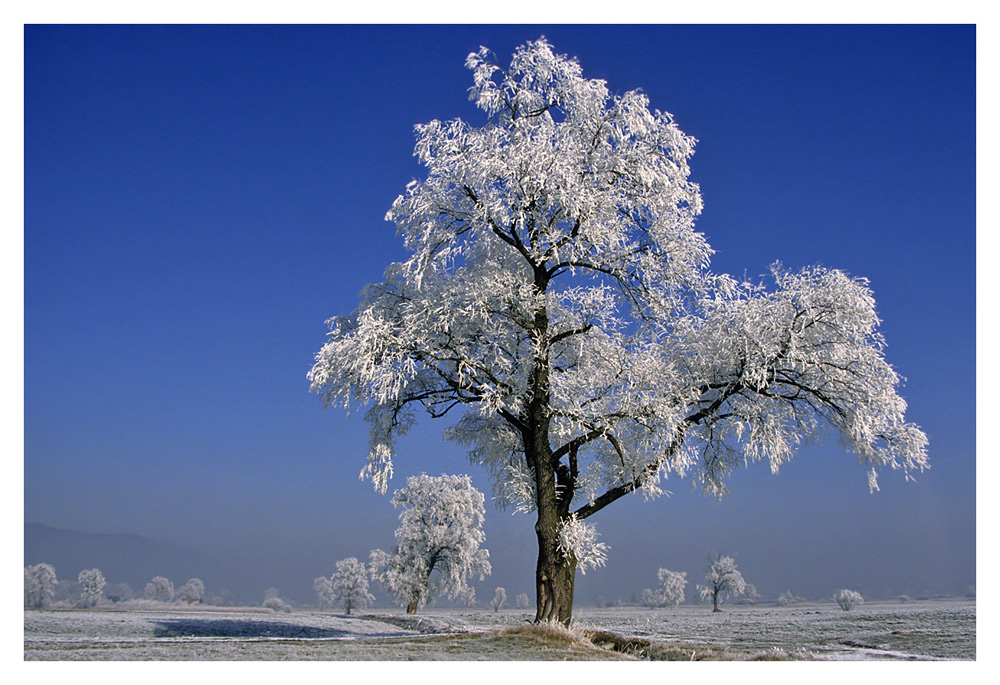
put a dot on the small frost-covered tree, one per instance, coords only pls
(159, 589)
(499, 599)
(522, 601)
(191, 592)
(91, 587)
(274, 601)
(557, 290)
(39, 585)
(277, 604)
(848, 599)
(350, 585)
(722, 578)
(787, 598)
(323, 587)
(440, 531)
(669, 592)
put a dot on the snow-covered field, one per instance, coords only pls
(931, 629)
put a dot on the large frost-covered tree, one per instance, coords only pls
(350, 584)
(39, 585)
(440, 530)
(556, 289)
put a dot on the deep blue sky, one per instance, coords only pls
(199, 200)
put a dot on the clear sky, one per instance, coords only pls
(199, 200)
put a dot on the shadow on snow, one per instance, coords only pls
(188, 627)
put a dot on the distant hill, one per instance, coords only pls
(122, 558)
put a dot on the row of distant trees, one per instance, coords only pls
(441, 530)
(41, 586)
(723, 580)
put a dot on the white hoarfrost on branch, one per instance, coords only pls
(578, 541)
(350, 585)
(557, 294)
(440, 531)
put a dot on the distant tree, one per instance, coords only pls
(903, 599)
(499, 599)
(67, 591)
(848, 599)
(670, 591)
(91, 587)
(786, 598)
(722, 579)
(749, 596)
(350, 585)
(556, 290)
(522, 601)
(277, 604)
(191, 592)
(119, 592)
(440, 530)
(159, 589)
(323, 587)
(40, 584)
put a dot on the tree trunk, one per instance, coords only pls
(715, 601)
(554, 579)
(555, 573)
(411, 608)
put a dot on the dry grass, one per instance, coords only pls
(557, 641)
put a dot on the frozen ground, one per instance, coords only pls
(933, 629)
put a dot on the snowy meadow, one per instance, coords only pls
(917, 630)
